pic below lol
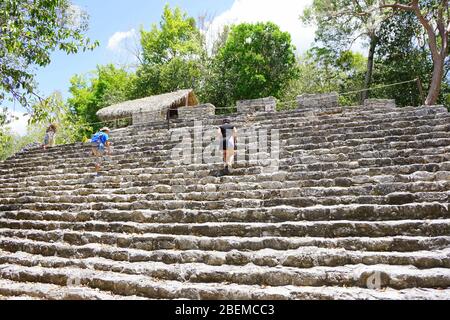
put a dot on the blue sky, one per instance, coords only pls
(107, 18)
(111, 22)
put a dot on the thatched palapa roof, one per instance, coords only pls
(180, 98)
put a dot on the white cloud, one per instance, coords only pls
(285, 13)
(19, 126)
(118, 39)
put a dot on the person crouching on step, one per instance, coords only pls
(228, 137)
(49, 139)
(100, 144)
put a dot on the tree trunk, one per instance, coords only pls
(436, 81)
(369, 72)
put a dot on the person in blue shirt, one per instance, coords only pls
(100, 144)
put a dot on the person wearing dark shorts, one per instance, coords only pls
(228, 136)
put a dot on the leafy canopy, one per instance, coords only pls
(323, 70)
(172, 55)
(30, 30)
(107, 85)
(257, 60)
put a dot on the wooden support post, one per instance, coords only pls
(420, 87)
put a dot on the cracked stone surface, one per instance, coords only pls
(357, 208)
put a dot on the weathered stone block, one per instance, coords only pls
(318, 101)
(148, 117)
(197, 112)
(380, 103)
(268, 104)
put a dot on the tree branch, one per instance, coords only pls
(397, 6)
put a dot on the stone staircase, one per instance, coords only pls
(358, 209)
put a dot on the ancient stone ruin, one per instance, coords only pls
(318, 101)
(358, 208)
(197, 112)
(257, 105)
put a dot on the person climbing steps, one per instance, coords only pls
(100, 145)
(228, 139)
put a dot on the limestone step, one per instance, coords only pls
(308, 163)
(400, 193)
(380, 181)
(13, 290)
(202, 203)
(307, 135)
(151, 242)
(328, 229)
(292, 118)
(128, 185)
(275, 214)
(395, 277)
(301, 258)
(347, 153)
(77, 146)
(134, 179)
(345, 158)
(147, 287)
(420, 153)
(419, 129)
(359, 195)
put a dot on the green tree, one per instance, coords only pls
(5, 134)
(172, 55)
(104, 87)
(402, 56)
(30, 30)
(55, 110)
(321, 71)
(342, 22)
(257, 60)
(434, 17)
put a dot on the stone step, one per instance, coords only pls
(147, 287)
(117, 180)
(328, 229)
(150, 164)
(306, 163)
(122, 179)
(357, 212)
(301, 258)
(76, 147)
(164, 193)
(13, 290)
(306, 135)
(152, 242)
(359, 195)
(312, 134)
(435, 140)
(203, 203)
(108, 185)
(395, 277)
(291, 119)
(348, 158)
(286, 158)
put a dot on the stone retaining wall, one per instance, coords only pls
(318, 101)
(148, 117)
(380, 103)
(268, 104)
(197, 112)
